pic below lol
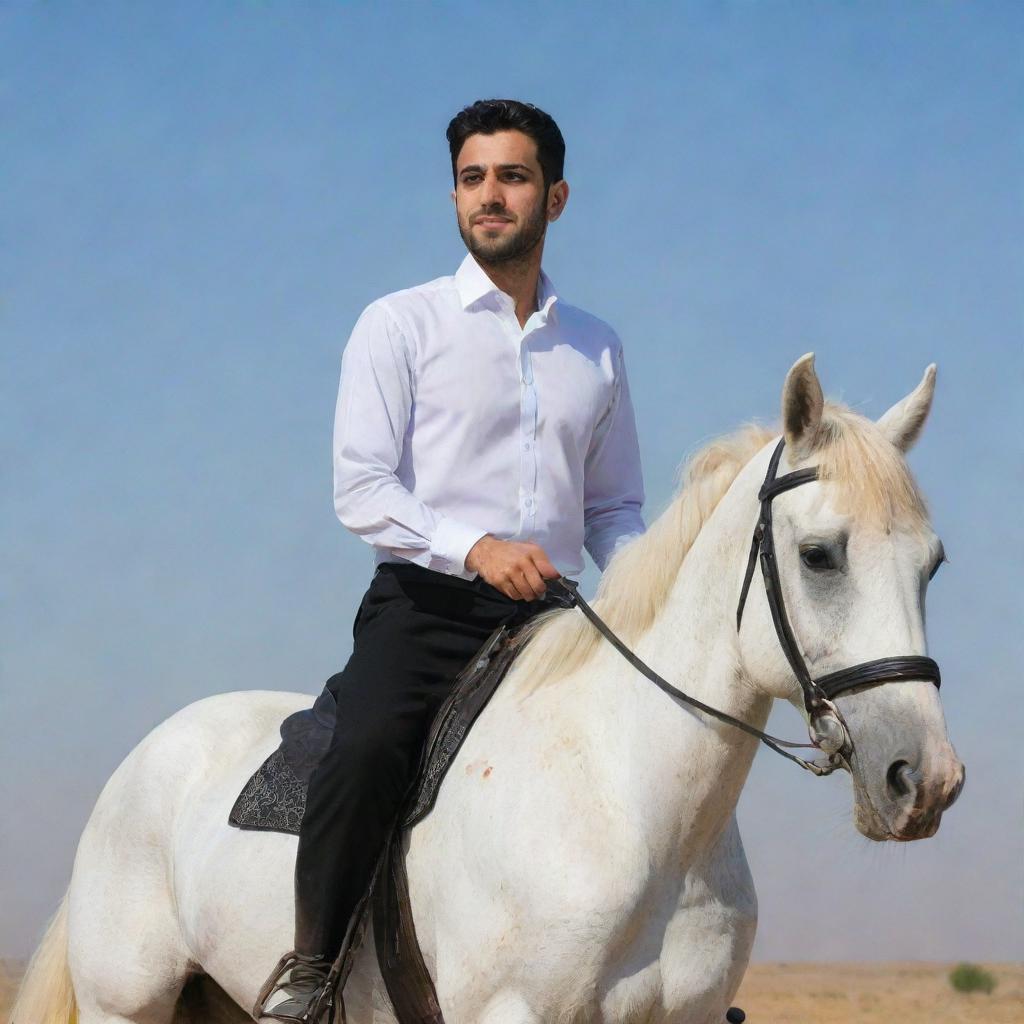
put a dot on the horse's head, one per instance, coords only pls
(855, 552)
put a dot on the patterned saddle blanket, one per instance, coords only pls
(274, 798)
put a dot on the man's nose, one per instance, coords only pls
(492, 194)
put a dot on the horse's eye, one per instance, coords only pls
(815, 558)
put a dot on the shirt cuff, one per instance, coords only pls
(451, 543)
(603, 548)
(620, 542)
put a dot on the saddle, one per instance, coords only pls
(274, 799)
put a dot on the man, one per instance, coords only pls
(483, 435)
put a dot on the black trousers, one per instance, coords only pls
(414, 632)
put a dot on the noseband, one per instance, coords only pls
(827, 728)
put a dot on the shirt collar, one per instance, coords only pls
(473, 284)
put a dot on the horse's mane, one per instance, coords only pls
(872, 481)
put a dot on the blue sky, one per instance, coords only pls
(197, 201)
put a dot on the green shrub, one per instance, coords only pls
(971, 978)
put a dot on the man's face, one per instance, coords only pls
(502, 205)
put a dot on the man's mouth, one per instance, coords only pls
(491, 222)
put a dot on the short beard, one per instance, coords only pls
(512, 248)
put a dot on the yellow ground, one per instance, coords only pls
(889, 993)
(893, 993)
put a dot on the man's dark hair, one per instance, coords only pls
(485, 117)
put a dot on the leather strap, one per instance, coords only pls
(780, 746)
(881, 670)
(771, 488)
(764, 542)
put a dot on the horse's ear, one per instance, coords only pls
(802, 404)
(903, 423)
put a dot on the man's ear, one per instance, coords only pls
(558, 196)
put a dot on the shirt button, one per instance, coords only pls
(528, 503)
(526, 446)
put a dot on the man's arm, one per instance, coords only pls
(374, 404)
(613, 486)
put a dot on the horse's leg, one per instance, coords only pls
(97, 1016)
(127, 999)
(126, 956)
(508, 1007)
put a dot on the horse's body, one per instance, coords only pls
(582, 862)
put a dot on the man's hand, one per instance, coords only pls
(517, 569)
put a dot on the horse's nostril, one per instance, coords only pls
(900, 779)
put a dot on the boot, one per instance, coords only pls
(308, 992)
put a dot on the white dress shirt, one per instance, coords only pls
(453, 422)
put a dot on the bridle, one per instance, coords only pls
(826, 726)
(825, 723)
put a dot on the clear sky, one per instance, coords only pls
(197, 200)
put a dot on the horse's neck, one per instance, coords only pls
(679, 772)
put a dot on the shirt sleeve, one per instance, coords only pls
(613, 486)
(375, 401)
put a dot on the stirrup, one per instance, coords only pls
(321, 1008)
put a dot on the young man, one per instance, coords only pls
(484, 435)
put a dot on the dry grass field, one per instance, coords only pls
(895, 993)
(888, 993)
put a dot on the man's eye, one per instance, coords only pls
(815, 558)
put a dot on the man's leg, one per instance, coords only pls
(415, 630)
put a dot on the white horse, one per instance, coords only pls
(583, 861)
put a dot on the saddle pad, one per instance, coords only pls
(274, 798)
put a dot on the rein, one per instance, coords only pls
(780, 746)
(826, 726)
